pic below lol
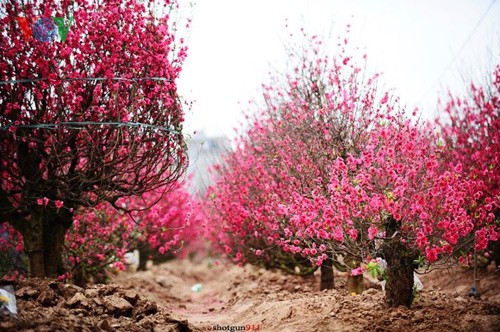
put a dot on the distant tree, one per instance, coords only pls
(316, 112)
(86, 120)
(101, 236)
(470, 132)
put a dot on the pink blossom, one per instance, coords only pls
(302, 187)
(357, 271)
(431, 254)
(353, 233)
(384, 99)
(319, 261)
(421, 239)
(372, 232)
(337, 234)
(120, 266)
(59, 204)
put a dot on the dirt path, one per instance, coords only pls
(235, 298)
(254, 298)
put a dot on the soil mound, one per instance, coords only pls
(49, 305)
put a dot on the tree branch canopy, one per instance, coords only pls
(67, 138)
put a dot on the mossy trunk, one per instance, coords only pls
(400, 268)
(327, 279)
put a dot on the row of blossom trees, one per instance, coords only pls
(334, 171)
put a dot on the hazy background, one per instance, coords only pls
(420, 46)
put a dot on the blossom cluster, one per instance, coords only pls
(164, 221)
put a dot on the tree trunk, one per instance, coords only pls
(53, 236)
(399, 286)
(79, 277)
(144, 254)
(43, 243)
(327, 280)
(33, 246)
(354, 283)
(400, 268)
(496, 252)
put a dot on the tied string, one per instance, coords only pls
(133, 79)
(81, 124)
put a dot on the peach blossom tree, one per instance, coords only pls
(470, 134)
(84, 119)
(333, 167)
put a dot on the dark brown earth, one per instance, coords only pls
(161, 299)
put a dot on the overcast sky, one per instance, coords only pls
(420, 46)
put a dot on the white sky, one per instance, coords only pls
(420, 46)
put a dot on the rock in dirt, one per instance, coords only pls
(47, 297)
(117, 305)
(131, 296)
(92, 293)
(68, 290)
(77, 299)
(104, 325)
(27, 292)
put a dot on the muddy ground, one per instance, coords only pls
(248, 298)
